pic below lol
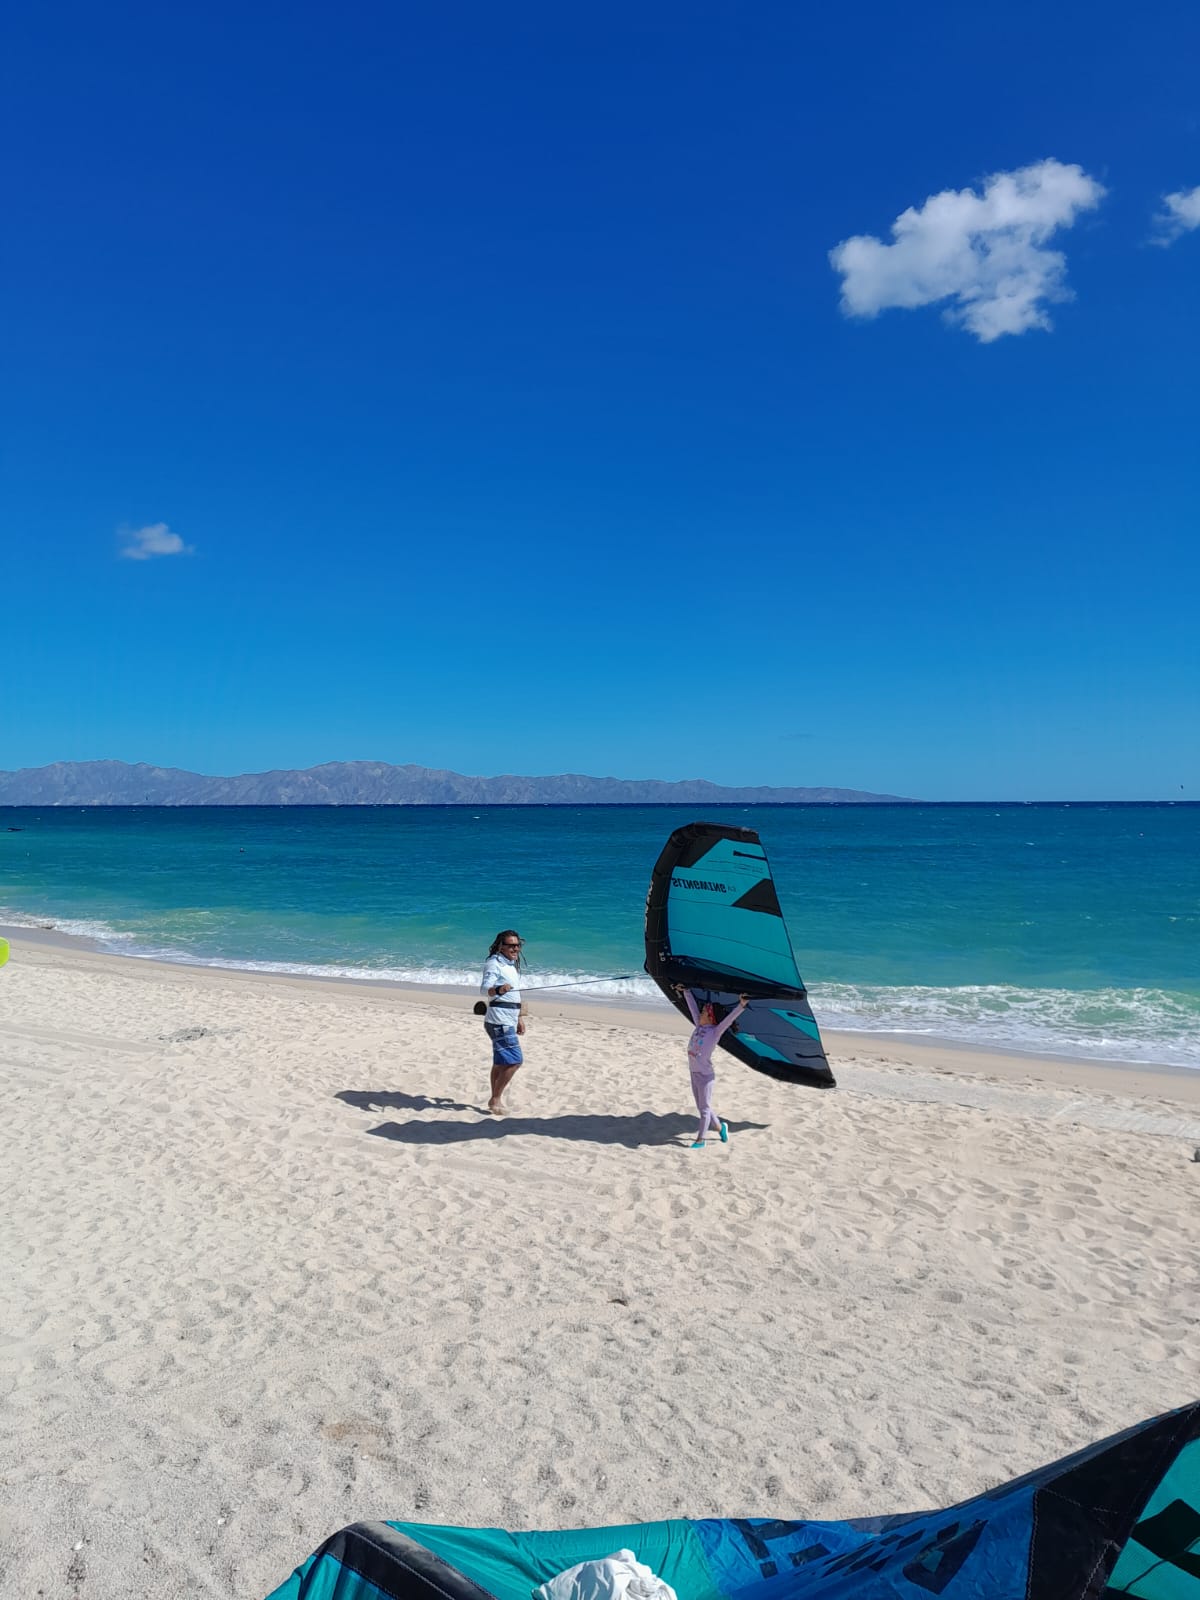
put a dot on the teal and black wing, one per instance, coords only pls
(714, 924)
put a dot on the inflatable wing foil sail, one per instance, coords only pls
(1120, 1518)
(713, 923)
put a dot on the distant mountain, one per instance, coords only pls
(372, 783)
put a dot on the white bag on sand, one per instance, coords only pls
(617, 1577)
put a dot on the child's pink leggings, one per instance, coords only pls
(702, 1089)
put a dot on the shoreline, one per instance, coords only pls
(935, 1055)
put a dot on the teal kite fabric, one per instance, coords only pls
(1121, 1518)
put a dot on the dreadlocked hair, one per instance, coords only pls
(506, 933)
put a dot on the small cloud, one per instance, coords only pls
(1180, 214)
(983, 252)
(154, 540)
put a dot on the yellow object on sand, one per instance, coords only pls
(3, 951)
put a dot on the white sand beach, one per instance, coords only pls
(269, 1269)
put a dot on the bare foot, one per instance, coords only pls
(495, 1108)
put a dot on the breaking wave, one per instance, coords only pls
(1144, 1025)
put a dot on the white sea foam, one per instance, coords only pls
(72, 927)
(1137, 1025)
(1151, 1026)
(568, 985)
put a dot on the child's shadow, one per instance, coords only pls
(648, 1128)
(642, 1128)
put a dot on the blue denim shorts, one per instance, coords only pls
(506, 1046)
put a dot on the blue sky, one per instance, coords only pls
(486, 376)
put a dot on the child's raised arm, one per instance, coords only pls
(732, 1017)
(690, 1001)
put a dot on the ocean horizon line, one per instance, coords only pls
(555, 805)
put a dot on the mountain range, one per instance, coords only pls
(374, 783)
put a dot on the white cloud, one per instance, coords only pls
(1179, 215)
(154, 540)
(985, 253)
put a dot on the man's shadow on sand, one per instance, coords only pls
(394, 1100)
(646, 1128)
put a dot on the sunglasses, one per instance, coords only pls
(511, 944)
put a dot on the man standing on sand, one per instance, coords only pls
(503, 1021)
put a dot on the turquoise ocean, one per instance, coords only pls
(1072, 929)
